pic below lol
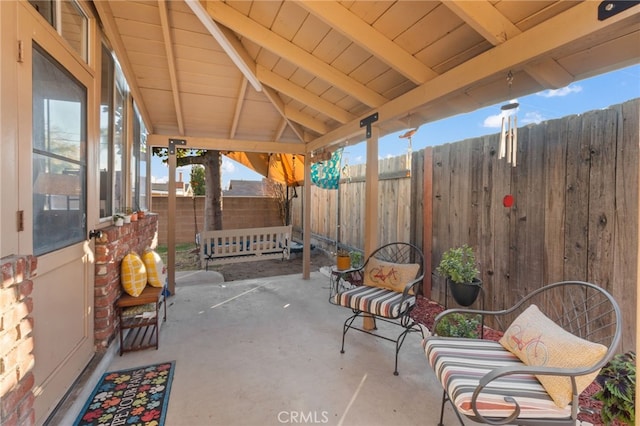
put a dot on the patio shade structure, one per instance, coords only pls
(300, 77)
(287, 169)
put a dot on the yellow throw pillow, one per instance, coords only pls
(392, 276)
(133, 274)
(538, 341)
(156, 271)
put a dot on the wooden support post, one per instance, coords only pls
(638, 277)
(171, 231)
(371, 209)
(306, 219)
(171, 215)
(427, 222)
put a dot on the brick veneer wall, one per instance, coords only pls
(16, 341)
(115, 243)
(237, 212)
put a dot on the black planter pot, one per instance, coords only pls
(465, 294)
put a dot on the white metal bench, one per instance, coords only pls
(563, 334)
(244, 245)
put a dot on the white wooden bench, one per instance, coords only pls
(244, 245)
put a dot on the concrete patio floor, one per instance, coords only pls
(267, 352)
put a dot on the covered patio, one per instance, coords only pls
(267, 351)
(265, 79)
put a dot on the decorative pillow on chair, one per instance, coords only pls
(156, 272)
(133, 274)
(538, 341)
(392, 276)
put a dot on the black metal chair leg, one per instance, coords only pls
(395, 371)
(345, 328)
(399, 342)
(444, 400)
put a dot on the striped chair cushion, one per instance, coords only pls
(374, 300)
(459, 365)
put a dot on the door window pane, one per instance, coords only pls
(59, 156)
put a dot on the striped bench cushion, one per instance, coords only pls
(459, 364)
(374, 300)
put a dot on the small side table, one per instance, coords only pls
(141, 315)
(339, 276)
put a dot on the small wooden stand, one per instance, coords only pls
(144, 325)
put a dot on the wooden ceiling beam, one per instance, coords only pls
(487, 21)
(221, 144)
(296, 92)
(239, 102)
(570, 26)
(306, 120)
(280, 130)
(111, 30)
(228, 42)
(549, 74)
(351, 26)
(171, 63)
(262, 36)
(249, 65)
(278, 104)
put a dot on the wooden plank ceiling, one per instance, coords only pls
(305, 73)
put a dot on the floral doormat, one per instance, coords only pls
(138, 396)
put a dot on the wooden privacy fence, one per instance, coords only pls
(338, 215)
(575, 211)
(574, 216)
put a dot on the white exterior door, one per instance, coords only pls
(56, 91)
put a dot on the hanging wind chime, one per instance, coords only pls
(407, 135)
(509, 133)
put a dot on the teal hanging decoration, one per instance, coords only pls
(326, 174)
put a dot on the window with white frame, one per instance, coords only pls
(112, 153)
(105, 154)
(69, 20)
(117, 157)
(139, 163)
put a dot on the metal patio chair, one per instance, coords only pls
(391, 276)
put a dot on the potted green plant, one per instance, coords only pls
(356, 259)
(617, 381)
(118, 219)
(458, 266)
(133, 214)
(126, 214)
(458, 325)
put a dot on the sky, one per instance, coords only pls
(578, 97)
